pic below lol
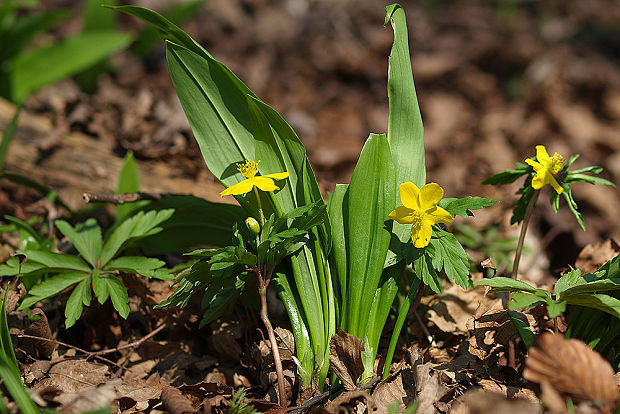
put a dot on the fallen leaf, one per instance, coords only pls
(572, 368)
(175, 402)
(480, 401)
(41, 328)
(345, 358)
(595, 255)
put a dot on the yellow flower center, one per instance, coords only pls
(248, 168)
(556, 163)
(417, 218)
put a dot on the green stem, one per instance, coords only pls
(260, 208)
(526, 221)
(402, 315)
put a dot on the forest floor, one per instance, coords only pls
(493, 79)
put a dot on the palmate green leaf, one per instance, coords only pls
(520, 301)
(223, 299)
(525, 332)
(135, 227)
(602, 302)
(52, 287)
(12, 267)
(508, 176)
(555, 307)
(118, 295)
(449, 255)
(144, 266)
(128, 178)
(605, 285)
(568, 279)
(369, 200)
(463, 206)
(80, 296)
(100, 286)
(56, 261)
(86, 238)
(423, 266)
(194, 281)
(49, 64)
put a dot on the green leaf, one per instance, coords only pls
(96, 17)
(572, 205)
(405, 130)
(506, 284)
(48, 64)
(198, 277)
(450, 256)
(423, 265)
(463, 206)
(119, 296)
(573, 177)
(52, 287)
(370, 198)
(555, 307)
(75, 304)
(195, 222)
(16, 388)
(337, 220)
(568, 279)
(600, 286)
(144, 266)
(520, 301)
(525, 332)
(100, 286)
(56, 261)
(7, 353)
(602, 302)
(86, 238)
(135, 227)
(508, 176)
(223, 300)
(128, 179)
(27, 228)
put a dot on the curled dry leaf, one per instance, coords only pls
(175, 402)
(41, 328)
(595, 255)
(345, 358)
(572, 369)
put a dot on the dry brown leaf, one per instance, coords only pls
(345, 358)
(74, 376)
(595, 255)
(483, 402)
(348, 399)
(41, 328)
(573, 369)
(175, 402)
(428, 385)
(89, 399)
(399, 387)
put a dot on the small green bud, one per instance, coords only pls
(252, 225)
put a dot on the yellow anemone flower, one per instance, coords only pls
(546, 167)
(249, 169)
(420, 209)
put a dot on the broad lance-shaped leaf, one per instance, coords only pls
(56, 261)
(51, 287)
(86, 238)
(128, 182)
(144, 266)
(135, 227)
(405, 128)
(463, 206)
(75, 304)
(48, 64)
(370, 198)
(506, 284)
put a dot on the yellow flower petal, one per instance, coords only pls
(421, 235)
(437, 215)
(537, 166)
(557, 187)
(409, 195)
(264, 183)
(430, 195)
(277, 176)
(402, 214)
(540, 179)
(243, 187)
(541, 155)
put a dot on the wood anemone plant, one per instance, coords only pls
(346, 271)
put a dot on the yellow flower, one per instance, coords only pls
(420, 209)
(546, 167)
(249, 169)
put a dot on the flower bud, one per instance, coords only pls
(253, 225)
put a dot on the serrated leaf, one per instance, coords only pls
(506, 284)
(600, 286)
(602, 302)
(118, 295)
(507, 176)
(223, 300)
(450, 256)
(12, 267)
(568, 279)
(520, 301)
(525, 332)
(144, 266)
(56, 261)
(75, 304)
(196, 280)
(555, 307)
(100, 286)
(86, 238)
(423, 265)
(463, 206)
(135, 227)
(52, 286)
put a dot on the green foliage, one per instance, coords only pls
(488, 243)
(98, 266)
(595, 294)
(565, 178)
(238, 405)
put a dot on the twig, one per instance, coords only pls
(123, 198)
(132, 344)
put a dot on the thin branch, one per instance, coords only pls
(123, 198)
(88, 353)
(134, 344)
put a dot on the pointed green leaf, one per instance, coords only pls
(602, 302)
(86, 237)
(75, 304)
(450, 256)
(462, 206)
(144, 266)
(56, 261)
(52, 287)
(520, 301)
(128, 182)
(118, 295)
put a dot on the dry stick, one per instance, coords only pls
(123, 198)
(132, 344)
(515, 267)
